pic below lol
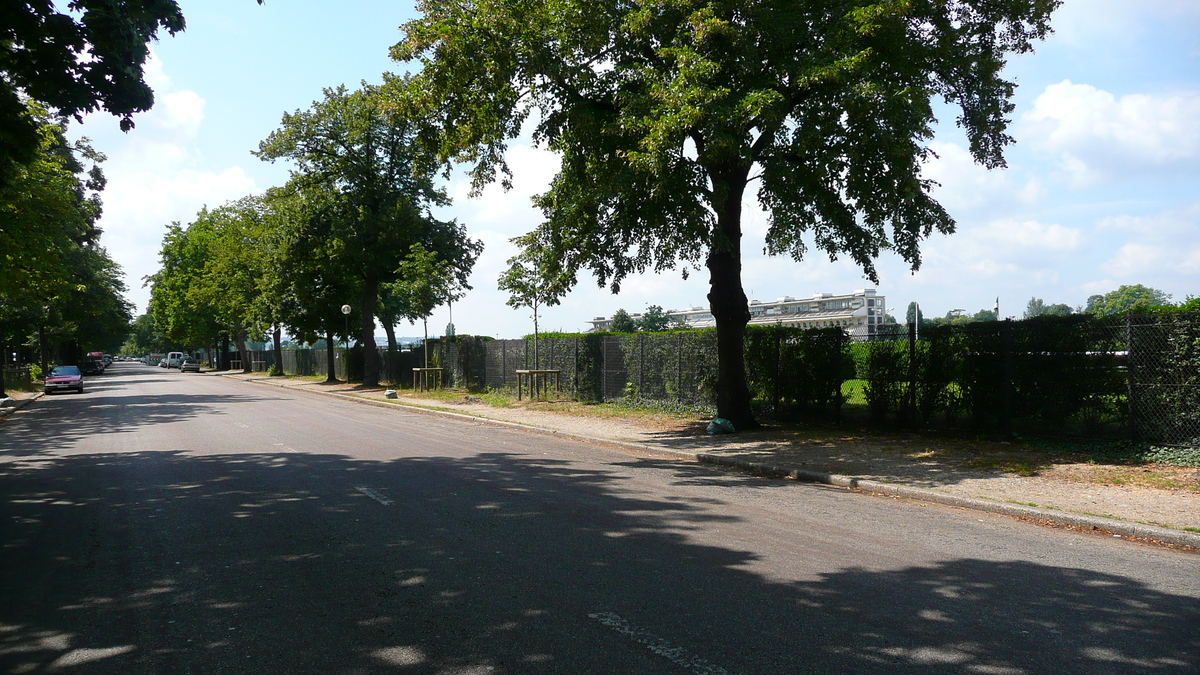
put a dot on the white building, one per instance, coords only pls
(858, 313)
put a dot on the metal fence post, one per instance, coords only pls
(642, 364)
(1130, 391)
(778, 370)
(912, 373)
(679, 367)
(1006, 345)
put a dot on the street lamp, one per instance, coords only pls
(346, 313)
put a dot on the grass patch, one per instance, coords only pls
(657, 413)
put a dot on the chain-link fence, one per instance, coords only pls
(1164, 377)
(1134, 376)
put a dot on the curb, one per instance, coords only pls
(1124, 528)
(5, 411)
(1127, 529)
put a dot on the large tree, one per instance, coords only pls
(87, 58)
(665, 113)
(55, 278)
(305, 280)
(359, 154)
(213, 273)
(1135, 298)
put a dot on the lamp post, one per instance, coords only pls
(346, 340)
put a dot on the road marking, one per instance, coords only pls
(374, 495)
(677, 655)
(239, 424)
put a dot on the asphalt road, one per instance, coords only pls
(171, 523)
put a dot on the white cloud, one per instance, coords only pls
(152, 72)
(1094, 134)
(512, 210)
(1160, 250)
(964, 185)
(182, 111)
(158, 174)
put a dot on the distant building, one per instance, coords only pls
(858, 313)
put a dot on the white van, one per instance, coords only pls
(174, 359)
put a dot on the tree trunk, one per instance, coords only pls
(42, 349)
(727, 300)
(278, 338)
(330, 356)
(370, 299)
(243, 353)
(3, 364)
(535, 337)
(390, 330)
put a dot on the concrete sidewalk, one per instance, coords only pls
(1161, 515)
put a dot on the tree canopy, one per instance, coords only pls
(665, 113)
(1133, 298)
(622, 322)
(55, 278)
(213, 272)
(369, 191)
(1037, 307)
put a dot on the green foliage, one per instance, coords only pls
(532, 279)
(425, 281)
(366, 190)
(1137, 298)
(886, 377)
(1035, 308)
(654, 319)
(664, 114)
(1174, 456)
(55, 278)
(799, 371)
(622, 322)
(212, 275)
(77, 61)
(914, 314)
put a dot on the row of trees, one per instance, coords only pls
(60, 292)
(352, 227)
(59, 289)
(664, 115)
(1130, 298)
(654, 320)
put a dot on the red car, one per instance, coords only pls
(64, 377)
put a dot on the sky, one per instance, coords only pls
(1102, 186)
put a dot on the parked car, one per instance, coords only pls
(89, 367)
(64, 377)
(189, 365)
(174, 359)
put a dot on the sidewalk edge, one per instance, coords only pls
(8, 410)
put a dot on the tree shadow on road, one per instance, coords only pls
(500, 562)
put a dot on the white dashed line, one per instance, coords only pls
(677, 655)
(374, 495)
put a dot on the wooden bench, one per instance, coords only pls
(536, 378)
(421, 377)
